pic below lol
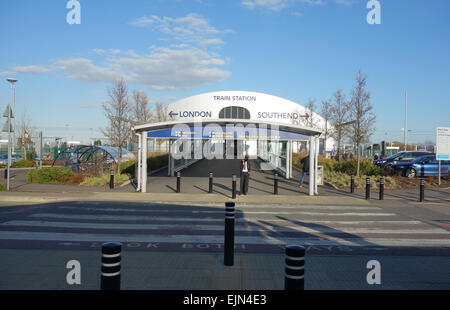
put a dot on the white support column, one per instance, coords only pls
(139, 163)
(169, 168)
(290, 164)
(288, 159)
(172, 160)
(144, 161)
(316, 164)
(311, 166)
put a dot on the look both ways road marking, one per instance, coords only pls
(250, 227)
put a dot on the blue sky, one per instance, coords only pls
(171, 49)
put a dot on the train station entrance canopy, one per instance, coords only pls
(231, 124)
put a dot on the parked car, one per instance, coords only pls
(14, 157)
(400, 157)
(425, 166)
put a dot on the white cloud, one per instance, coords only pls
(192, 28)
(99, 51)
(274, 5)
(83, 69)
(113, 52)
(347, 2)
(162, 69)
(31, 69)
(7, 73)
(278, 5)
(185, 63)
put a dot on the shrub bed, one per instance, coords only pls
(366, 166)
(52, 175)
(23, 164)
(342, 180)
(104, 180)
(154, 162)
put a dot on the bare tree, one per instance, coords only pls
(361, 113)
(339, 115)
(141, 112)
(160, 113)
(327, 129)
(310, 120)
(25, 131)
(117, 109)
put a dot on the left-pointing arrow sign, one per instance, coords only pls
(171, 114)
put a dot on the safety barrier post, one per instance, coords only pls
(210, 182)
(367, 188)
(178, 182)
(111, 179)
(229, 234)
(352, 184)
(275, 184)
(422, 190)
(294, 269)
(111, 257)
(381, 188)
(234, 187)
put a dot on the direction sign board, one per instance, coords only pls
(443, 143)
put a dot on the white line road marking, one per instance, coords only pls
(249, 228)
(263, 240)
(101, 217)
(223, 212)
(221, 207)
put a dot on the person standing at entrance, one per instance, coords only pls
(305, 170)
(245, 170)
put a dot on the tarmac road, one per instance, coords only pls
(415, 247)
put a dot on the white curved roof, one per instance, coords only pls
(262, 107)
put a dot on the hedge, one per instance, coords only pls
(51, 175)
(23, 164)
(366, 166)
(153, 163)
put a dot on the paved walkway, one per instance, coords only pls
(44, 269)
(195, 184)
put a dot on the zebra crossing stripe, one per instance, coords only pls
(241, 208)
(247, 228)
(209, 219)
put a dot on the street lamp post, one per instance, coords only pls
(12, 81)
(406, 119)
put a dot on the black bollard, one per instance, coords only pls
(381, 188)
(228, 257)
(110, 279)
(275, 184)
(178, 182)
(294, 269)
(367, 188)
(234, 187)
(6, 173)
(422, 190)
(111, 180)
(210, 182)
(352, 184)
